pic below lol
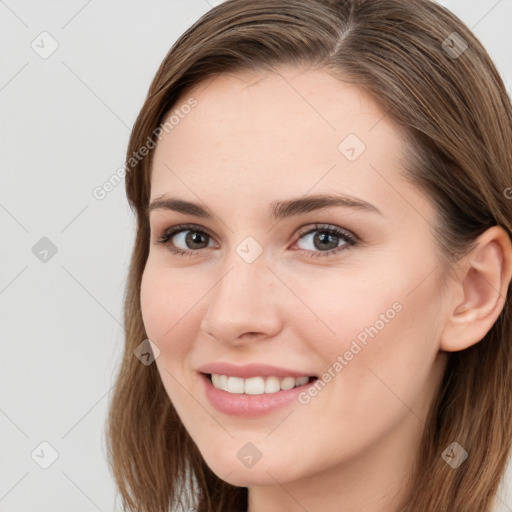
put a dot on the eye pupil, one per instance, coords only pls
(194, 238)
(327, 237)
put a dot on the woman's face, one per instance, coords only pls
(348, 293)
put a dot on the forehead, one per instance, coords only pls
(271, 135)
(290, 105)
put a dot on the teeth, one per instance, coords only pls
(301, 381)
(287, 383)
(235, 385)
(272, 385)
(256, 385)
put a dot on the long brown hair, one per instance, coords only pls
(411, 57)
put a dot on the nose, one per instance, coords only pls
(245, 304)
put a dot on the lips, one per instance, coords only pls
(252, 370)
(249, 405)
(253, 389)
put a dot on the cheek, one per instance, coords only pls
(343, 308)
(162, 296)
(161, 303)
(152, 303)
(164, 306)
(377, 335)
(381, 309)
(171, 309)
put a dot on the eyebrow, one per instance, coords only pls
(278, 209)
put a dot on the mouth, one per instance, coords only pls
(257, 385)
(253, 389)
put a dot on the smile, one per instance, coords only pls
(252, 396)
(256, 385)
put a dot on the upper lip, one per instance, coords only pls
(250, 370)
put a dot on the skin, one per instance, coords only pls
(253, 139)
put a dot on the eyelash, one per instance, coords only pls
(349, 239)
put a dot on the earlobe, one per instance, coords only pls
(480, 291)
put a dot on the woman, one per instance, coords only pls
(322, 262)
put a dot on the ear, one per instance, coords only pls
(479, 291)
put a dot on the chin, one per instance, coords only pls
(261, 473)
(244, 477)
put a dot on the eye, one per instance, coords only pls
(192, 239)
(185, 235)
(327, 240)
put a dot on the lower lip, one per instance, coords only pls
(249, 406)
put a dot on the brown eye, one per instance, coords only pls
(326, 240)
(184, 239)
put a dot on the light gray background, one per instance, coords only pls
(65, 125)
